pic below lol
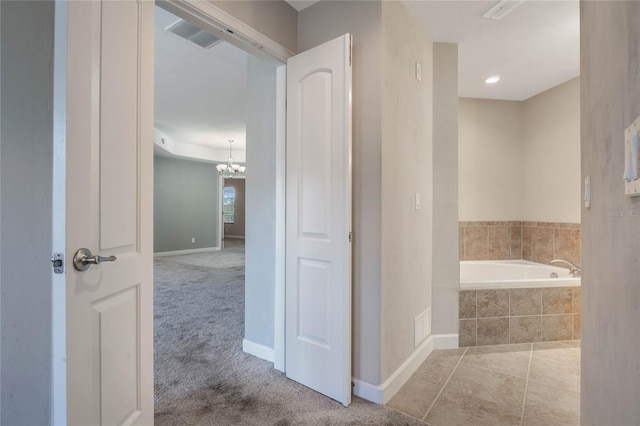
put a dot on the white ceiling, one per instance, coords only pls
(533, 48)
(200, 94)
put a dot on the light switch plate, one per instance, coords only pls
(418, 71)
(417, 200)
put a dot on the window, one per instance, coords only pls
(228, 204)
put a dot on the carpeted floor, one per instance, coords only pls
(202, 377)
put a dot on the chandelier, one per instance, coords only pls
(230, 170)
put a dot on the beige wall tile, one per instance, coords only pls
(557, 327)
(542, 243)
(516, 242)
(499, 243)
(525, 301)
(467, 300)
(557, 300)
(467, 333)
(567, 245)
(475, 243)
(461, 243)
(493, 331)
(493, 303)
(525, 329)
(527, 245)
(576, 300)
(577, 326)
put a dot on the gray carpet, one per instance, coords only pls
(202, 377)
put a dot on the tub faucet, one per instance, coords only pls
(574, 270)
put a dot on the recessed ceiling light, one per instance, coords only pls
(493, 79)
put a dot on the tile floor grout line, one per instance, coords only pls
(424, 418)
(405, 414)
(526, 386)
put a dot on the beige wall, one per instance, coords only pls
(490, 159)
(322, 22)
(407, 150)
(610, 88)
(519, 160)
(446, 273)
(275, 19)
(552, 155)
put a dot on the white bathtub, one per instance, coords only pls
(479, 274)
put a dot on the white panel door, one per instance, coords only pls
(109, 212)
(318, 223)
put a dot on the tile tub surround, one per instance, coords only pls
(522, 384)
(523, 315)
(536, 241)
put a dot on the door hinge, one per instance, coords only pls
(349, 236)
(57, 262)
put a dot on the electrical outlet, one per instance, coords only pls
(193, 240)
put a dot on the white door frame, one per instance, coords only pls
(236, 32)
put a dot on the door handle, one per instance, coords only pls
(83, 259)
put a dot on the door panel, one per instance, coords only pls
(318, 211)
(109, 211)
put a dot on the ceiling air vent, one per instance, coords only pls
(193, 33)
(502, 9)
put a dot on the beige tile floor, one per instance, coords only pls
(522, 384)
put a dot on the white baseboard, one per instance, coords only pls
(381, 394)
(234, 237)
(190, 251)
(257, 350)
(445, 341)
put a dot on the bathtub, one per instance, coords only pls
(481, 274)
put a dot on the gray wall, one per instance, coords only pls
(237, 228)
(26, 137)
(446, 271)
(260, 242)
(317, 24)
(610, 101)
(186, 204)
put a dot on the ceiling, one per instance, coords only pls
(533, 48)
(200, 94)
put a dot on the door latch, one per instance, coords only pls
(57, 261)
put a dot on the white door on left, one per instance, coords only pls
(109, 212)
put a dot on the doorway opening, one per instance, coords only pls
(214, 237)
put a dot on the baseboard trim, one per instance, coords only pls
(257, 350)
(234, 237)
(190, 251)
(445, 341)
(381, 394)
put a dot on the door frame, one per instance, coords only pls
(231, 30)
(243, 36)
